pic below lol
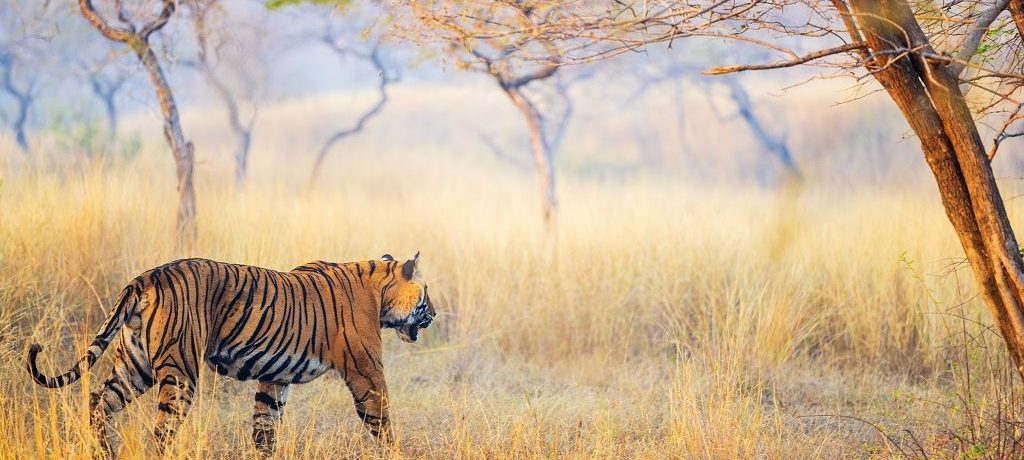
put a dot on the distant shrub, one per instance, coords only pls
(86, 137)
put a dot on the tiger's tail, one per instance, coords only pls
(126, 306)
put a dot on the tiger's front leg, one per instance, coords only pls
(270, 400)
(370, 395)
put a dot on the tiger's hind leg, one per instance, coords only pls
(270, 400)
(177, 391)
(131, 376)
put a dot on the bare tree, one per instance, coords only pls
(891, 44)
(137, 38)
(473, 33)
(523, 43)
(23, 96)
(106, 91)
(540, 141)
(209, 43)
(690, 72)
(106, 80)
(557, 106)
(373, 56)
(26, 28)
(773, 144)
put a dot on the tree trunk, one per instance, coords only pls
(137, 39)
(183, 150)
(242, 131)
(107, 94)
(111, 110)
(242, 156)
(542, 158)
(931, 101)
(1017, 12)
(22, 98)
(678, 96)
(19, 124)
(775, 146)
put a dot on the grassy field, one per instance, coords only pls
(663, 320)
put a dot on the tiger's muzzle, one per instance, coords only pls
(420, 318)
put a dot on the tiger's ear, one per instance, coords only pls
(387, 258)
(411, 267)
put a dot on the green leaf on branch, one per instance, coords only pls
(995, 36)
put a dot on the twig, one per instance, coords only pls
(790, 63)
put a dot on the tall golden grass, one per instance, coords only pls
(662, 320)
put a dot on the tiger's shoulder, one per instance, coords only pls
(315, 266)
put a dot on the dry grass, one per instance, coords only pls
(663, 320)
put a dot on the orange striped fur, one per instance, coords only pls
(252, 323)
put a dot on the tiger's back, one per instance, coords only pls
(262, 324)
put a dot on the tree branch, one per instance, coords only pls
(1004, 133)
(383, 81)
(160, 21)
(539, 74)
(976, 34)
(122, 16)
(100, 24)
(793, 62)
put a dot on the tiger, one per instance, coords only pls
(251, 323)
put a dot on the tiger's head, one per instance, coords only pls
(406, 306)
